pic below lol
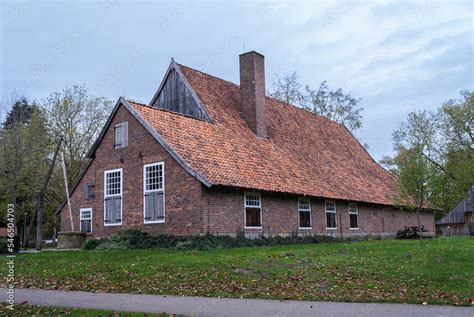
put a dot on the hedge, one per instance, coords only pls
(136, 239)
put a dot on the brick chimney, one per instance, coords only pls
(252, 92)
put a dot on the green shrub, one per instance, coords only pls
(185, 245)
(109, 244)
(136, 239)
(90, 244)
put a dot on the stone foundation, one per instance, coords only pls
(71, 240)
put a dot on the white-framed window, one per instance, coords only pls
(253, 210)
(113, 190)
(121, 135)
(304, 213)
(154, 192)
(331, 220)
(85, 216)
(353, 216)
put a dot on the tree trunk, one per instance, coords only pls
(67, 191)
(419, 223)
(39, 223)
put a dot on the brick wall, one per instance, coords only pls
(224, 209)
(182, 191)
(191, 208)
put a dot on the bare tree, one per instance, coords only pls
(333, 104)
(288, 89)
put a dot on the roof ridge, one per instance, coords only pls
(207, 74)
(283, 103)
(142, 103)
(164, 110)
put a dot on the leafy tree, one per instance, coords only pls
(420, 130)
(456, 125)
(415, 176)
(20, 113)
(444, 138)
(25, 146)
(78, 116)
(333, 104)
(28, 137)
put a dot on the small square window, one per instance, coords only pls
(330, 206)
(90, 191)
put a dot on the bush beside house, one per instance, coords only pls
(136, 239)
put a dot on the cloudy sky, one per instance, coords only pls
(398, 56)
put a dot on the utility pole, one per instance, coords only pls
(67, 191)
(38, 213)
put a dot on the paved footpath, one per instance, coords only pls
(207, 306)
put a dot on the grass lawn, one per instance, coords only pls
(33, 310)
(439, 271)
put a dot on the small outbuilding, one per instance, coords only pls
(460, 220)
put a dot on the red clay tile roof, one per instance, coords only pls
(305, 154)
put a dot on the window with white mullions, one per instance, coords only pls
(304, 213)
(331, 221)
(353, 216)
(253, 210)
(86, 220)
(113, 197)
(154, 193)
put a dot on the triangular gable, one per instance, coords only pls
(124, 102)
(91, 154)
(176, 94)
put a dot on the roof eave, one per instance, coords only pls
(163, 143)
(152, 131)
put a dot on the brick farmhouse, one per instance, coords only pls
(207, 155)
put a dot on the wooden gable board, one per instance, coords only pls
(177, 95)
